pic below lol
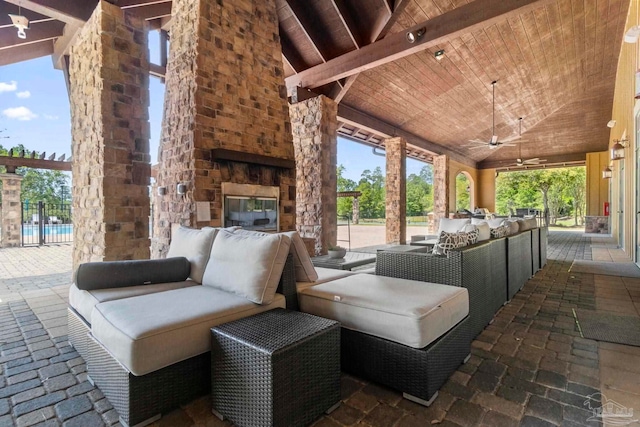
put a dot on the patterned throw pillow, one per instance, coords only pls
(448, 241)
(469, 234)
(501, 231)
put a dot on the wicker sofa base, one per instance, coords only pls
(141, 400)
(78, 332)
(418, 373)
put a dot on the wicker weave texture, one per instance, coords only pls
(278, 368)
(518, 261)
(419, 372)
(544, 236)
(287, 284)
(137, 399)
(498, 267)
(467, 267)
(78, 331)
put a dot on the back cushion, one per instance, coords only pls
(495, 222)
(514, 226)
(194, 245)
(447, 242)
(247, 264)
(484, 231)
(452, 225)
(305, 271)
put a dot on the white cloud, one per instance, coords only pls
(24, 94)
(19, 113)
(8, 87)
(50, 117)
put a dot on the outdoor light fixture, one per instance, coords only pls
(412, 36)
(607, 173)
(439, 54)
(162, 191)
(617, 151)
(181, 189)
(611, 124)
(21, 23)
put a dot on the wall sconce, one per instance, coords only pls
(607, 173)
(617, 151)
(181, 189)
(162, 191)
(412, 36)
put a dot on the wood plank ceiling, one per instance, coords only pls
(554, 60)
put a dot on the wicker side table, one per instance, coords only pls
(277, 368)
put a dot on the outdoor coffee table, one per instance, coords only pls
(403, 248)
(350, 260)
(277, 368)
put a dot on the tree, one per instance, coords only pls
(463, 200)
(576, 189)
(420, 192)
(372, 201)
(345, 204)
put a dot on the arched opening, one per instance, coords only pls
(464, 191)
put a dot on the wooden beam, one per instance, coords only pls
(385, 130)
(384, 28)
(19, 54)
(128, 4)
(150, 11)
(550, 160)
(301, 14)
(157, 71)
(218, 154)
(38, 32)
(347, 20)
(349, 81)
(69, 12)
(63, 44)
(465, 19)
(26, 162)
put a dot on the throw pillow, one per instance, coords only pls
(471, 234)
(194, 245)
(305, 271)
(446, 242)
(247, 264)
(500, 231)
(484, 231)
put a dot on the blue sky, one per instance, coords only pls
(34, 111)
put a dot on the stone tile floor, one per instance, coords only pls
(529, 367)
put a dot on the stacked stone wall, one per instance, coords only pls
(224, 89)
(108, 73)
(396, 190)
(440, 189)
(11, 215)
(315, 140)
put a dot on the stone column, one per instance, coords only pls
(224, 90)
(356, 211)
(109, 91)
(11, 210)
(314, 125)
(440, 189)
(396, 190)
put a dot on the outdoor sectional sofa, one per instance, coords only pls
(143, 326)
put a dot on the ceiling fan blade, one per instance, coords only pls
(477, 141)
(502, 144)
(475, 147)
(512, 138)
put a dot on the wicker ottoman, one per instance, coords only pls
(278, 368)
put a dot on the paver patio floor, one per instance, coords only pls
(529, 367)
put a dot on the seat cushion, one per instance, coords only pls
(247, 264)
(324, 275)
(148, 332)
(84, 301)
(408, 312)
(193, 244)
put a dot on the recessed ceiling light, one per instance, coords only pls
(412, 36)
(439, 54)
(611, 124)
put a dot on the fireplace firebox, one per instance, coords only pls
(251, 207)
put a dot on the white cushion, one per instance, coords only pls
(484, 231)
(84, 301)
(495, 222)
(305, 271)
(247, 264)
(148, 332)
(452, 225)
(404, 311)
(194, 245)
(325, 275)
(514, 226)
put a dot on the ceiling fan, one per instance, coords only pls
(494, 142)
(519, 160)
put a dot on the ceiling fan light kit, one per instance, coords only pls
(21, 23)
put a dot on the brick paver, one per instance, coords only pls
(530, 367)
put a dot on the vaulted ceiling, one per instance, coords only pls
(555, 63)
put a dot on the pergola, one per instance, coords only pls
(411, 76)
